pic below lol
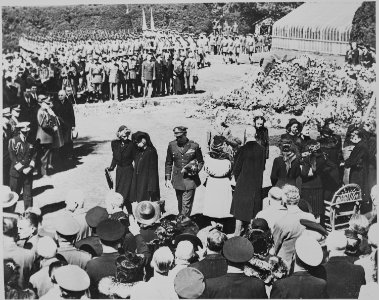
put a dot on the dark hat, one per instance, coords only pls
(180, 129)
(189, 283)
(218, 142)
(110, 230)
(95, 215)
(122, 127)
(147, 212)
(294, 121)
(259, 223)
(313, 226)
(238, 249)
(189, 235)
(90, 244)
(326, 131)
(129, 268)
(72, 278)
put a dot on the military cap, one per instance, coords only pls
(42, 98)
(72, 278)
(110, 230)
(46, 247)
(95, 215)
(309, 250)
(16, 107)
(180, 129)
(238, 249)
(6, 112)
(189, 283)
(66, 225)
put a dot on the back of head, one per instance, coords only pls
(250, 134)
(114, 200)
(359, 223)
(10, 225)
(162, 260)
(291, 194)
(336, 241)
(275, 194)
(216, 240)
(185, 250)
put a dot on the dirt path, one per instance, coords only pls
(97, 125)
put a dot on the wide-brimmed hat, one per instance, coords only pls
(129, 268)
(8, 197)
(294, 121)
(72, 278)
(147, 212)
(308, 250)
(238, 249)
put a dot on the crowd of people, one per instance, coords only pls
(241, 246)
(99, 65)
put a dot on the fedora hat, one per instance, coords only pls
(238, 249)
(147, 212)
(8, 197)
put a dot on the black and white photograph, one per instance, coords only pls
(177, 149)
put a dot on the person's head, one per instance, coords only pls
(15, 111)
(306, 129)
(162, 260)
(374, 196)
(113, 201)
(27, 226)
(373, 235)
(250, 134)
(291, 195)
(357, 117)
(308, 252)
(180, 133)
(27, 93)
(216, 240)
(10, 225)
(123, 132)
(359, 224)
(67, 228)
(141, 142)
(74, 199)
(259, 122)
(237, 251)
(46, 247)
(110, 233)
(189, 283)
(287, 148)
(72, 280)
(275, 195)
(69, 90)
(11, 272)
(61, 95)
(336, 242)
(184, 251)
(293, 127)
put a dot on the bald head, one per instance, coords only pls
(250, 134)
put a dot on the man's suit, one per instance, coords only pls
(177, 158)
(22, 155)
(234, 286)
(212, 266)
(300, 285)
(29, 108)
(344, 279)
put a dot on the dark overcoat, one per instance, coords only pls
(66, 116)
(177, 158)
(248, 172)
(123, 156)
(234, 286)
(300, 285)
(279, 174)
(145, 183)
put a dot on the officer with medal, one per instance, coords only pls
(184, 160)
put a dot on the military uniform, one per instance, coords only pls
(179, 156)
(22, 156)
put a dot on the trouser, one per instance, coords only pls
(46, 158)
(122, 85)
(6, 168)
(67, 150)
(148, 88)
(113, 91)
(157, 87)
(166, 85)
(24, 183)
(132, 89)
(185, 201)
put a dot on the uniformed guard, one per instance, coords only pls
(73, 282)
(183, 162)
(22, 157)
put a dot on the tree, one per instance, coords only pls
(364, 23)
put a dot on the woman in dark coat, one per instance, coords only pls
(358, 162)
(124, 153)
(248, 173)
(145, 183)
(286, 167)
(313, 163)
(293, 130)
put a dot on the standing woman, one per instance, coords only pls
(293, 130)
(124, 153)
(145, 183)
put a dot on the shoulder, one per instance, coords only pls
(172, 143)
(115, 142)
(194, 144)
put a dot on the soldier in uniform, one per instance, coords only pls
(183, 162)
(148, 75)
(13, 121)
(22, 157)
(7, 135)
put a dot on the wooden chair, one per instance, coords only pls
(345, 202)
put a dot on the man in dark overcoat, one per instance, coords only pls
(29, 108)
(22, 157)
(65, 112)
(182, 153)
(235, 284)
(248, 173)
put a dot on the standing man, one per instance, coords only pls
(29, 107)
(248, 172)
(183, 162)
(66, 116)
(22, 157)
(148, 75)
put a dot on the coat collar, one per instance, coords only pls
(185, 148)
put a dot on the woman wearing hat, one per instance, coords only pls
(145, 183)
(124, 152)
(293, 130)
(218, 191)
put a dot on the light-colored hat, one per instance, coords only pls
(72, 278)
(23, 126)
(8, 197)
(46, 247)
(189, 283)
(147, 212)
(336, 240)
(66, 225)
(309, 250)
